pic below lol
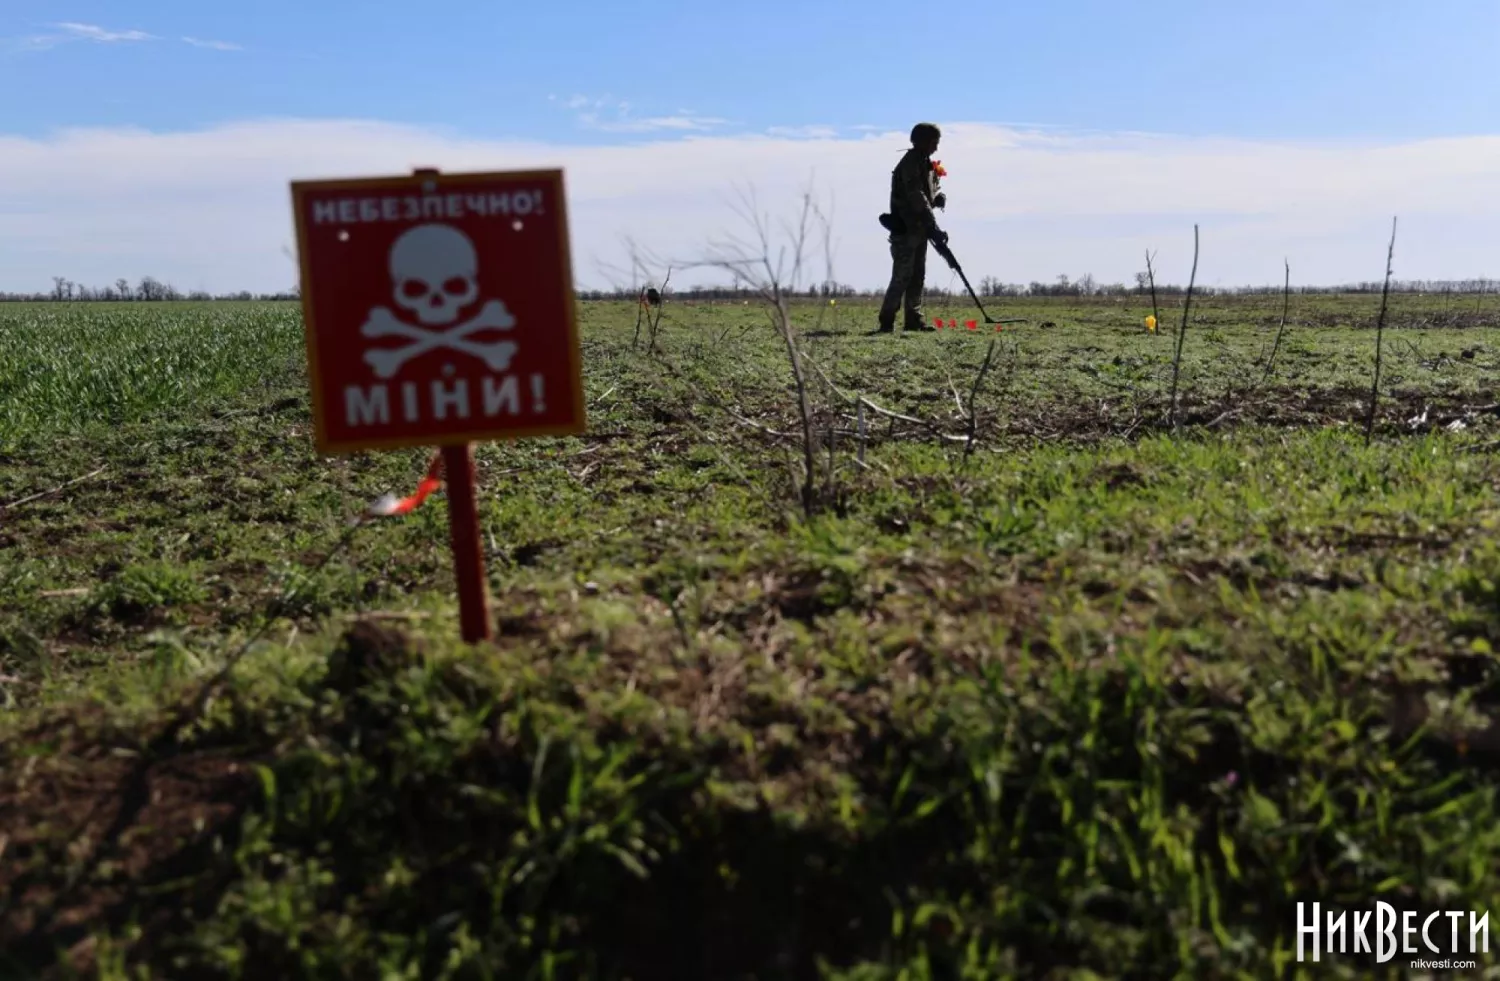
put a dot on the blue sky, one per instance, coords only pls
(1310, 69)
(1359, 110)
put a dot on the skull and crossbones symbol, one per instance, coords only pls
(435, 271)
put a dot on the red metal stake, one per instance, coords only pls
(463, 527)
(468, 558)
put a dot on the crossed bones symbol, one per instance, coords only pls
(382, 323)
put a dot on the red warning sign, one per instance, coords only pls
(438, 309)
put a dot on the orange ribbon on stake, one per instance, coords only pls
(390, 505)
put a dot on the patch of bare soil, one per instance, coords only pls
(91, 828)
(1451, 319)
(99, 828)
(1402, 412)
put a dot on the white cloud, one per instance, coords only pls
(654, 124)
(73, 31)
(606, 114)
(580, 102)
(810, 132)
(212, 45)
(211, 209)
(93, 32)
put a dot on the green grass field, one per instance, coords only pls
(1097, 699)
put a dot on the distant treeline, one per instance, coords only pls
(150, 289)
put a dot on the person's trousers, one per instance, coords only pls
(908, 271)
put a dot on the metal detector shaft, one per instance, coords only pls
(947, 254)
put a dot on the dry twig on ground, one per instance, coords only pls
(60, 487)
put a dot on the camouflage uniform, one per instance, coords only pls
(913, 187)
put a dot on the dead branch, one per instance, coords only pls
(1151, 278)
(628, 280)
(654, 324)
(1187, 304)
(973, 394)
(751, 266)
(1286, 302)
(641, 262)
(1385, 293)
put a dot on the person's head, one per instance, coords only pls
(925, 137)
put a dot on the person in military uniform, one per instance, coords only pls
(912, 224)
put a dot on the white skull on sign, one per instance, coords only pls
(435, 270)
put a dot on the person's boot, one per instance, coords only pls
(885, 326)
(918, 324)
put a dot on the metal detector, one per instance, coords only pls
(947, 254)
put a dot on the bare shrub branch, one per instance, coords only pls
(1385, 294)
(1151, 278)
(653, 323)
(973, 394)
(640, 260)
(1286, 302)
(1187, 304)
(638, 277)
(751, 265)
